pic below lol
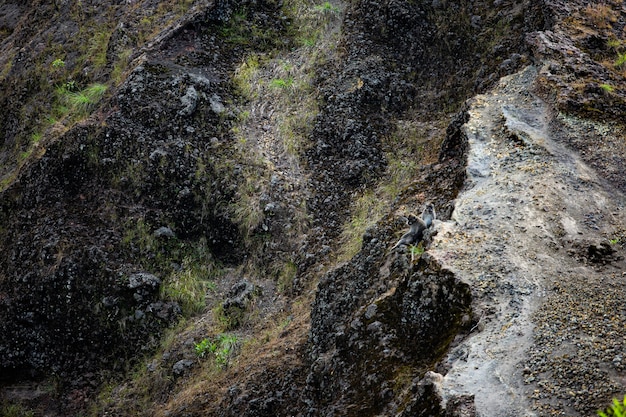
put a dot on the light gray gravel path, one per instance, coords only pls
(527, 234)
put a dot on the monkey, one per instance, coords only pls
(417, 226)
(428, 215)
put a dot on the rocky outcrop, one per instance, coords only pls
(81, 268)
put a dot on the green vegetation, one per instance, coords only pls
(189, 285)
(286, 276)
(120, 66)
(58, 63)
(79, 103)
(614, 44)
(222, 347)
(607, 87)
(326, 7)
(282, 83)
(416, 251)
(617, 409)
(229, 319)
(15, 410)
(187, 270)
(368, 209)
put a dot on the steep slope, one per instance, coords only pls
(213, 236)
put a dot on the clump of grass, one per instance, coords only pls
(620, 60)
(84, 100)
(189, 285)
(601, 15)
(282, 82)
(78, 103)
(245, 75)
(368, 209)
(326, 7)
(607, 87)
(120, 65)
(614, 44)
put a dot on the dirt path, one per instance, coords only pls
(526, 236)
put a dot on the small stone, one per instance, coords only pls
(182, 366)
(164, 231)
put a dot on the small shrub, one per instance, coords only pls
(205, 346)
(222, 347)
(621, 60)
(617, 409)
(227, 346)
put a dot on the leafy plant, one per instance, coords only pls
(617, 409)
(222, 347)
(621, 60)
(415, 251)
(227, 345)
(58, 63)
(205, 346)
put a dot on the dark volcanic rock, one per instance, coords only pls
(376, 321)
(81, 222)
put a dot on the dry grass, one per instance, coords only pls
(276, 347)
(413, 145)
(601, 15)
(275, 120)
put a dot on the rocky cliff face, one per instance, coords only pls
(232, 151)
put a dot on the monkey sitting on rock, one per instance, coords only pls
(417, 227)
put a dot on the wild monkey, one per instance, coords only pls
(417, 226)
